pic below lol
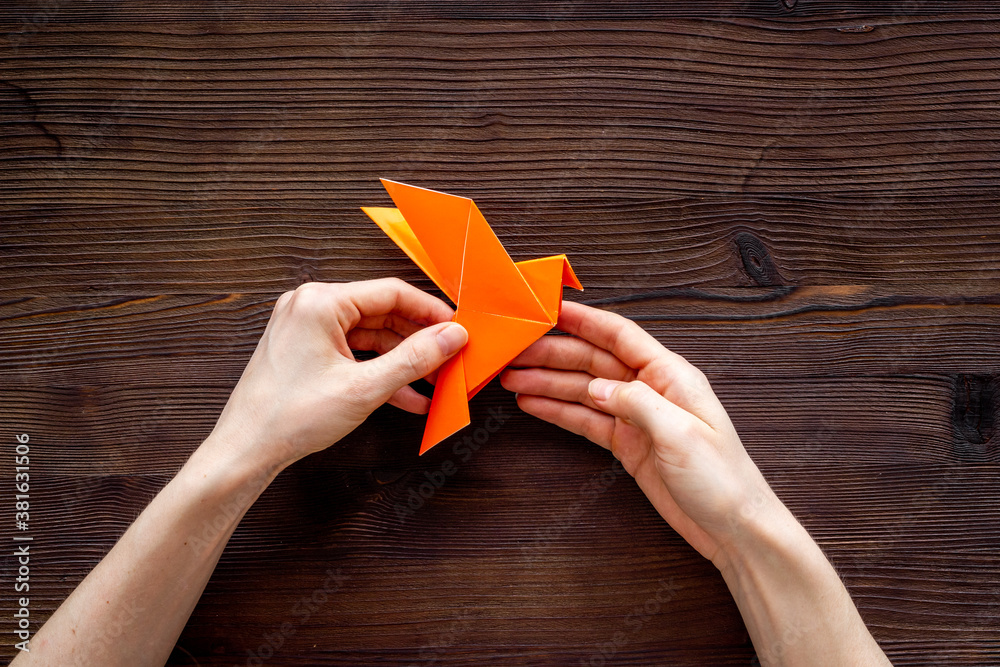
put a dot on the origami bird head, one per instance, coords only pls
(504, 306)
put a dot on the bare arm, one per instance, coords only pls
(792, 601)
(132, 607)
(301, 392)
(616, 385)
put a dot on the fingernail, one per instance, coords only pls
(600, 389)
(451, 338)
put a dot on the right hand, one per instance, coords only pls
(614, 384)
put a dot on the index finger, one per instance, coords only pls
(668, 373)
(618, 335)
(392, 295)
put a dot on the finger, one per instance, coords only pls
(687, 387)
(414, 358)
(377, 340)
(592, 424)
(609, 331)
(673, 429)
(574, 354)
(667, 372)
(391, 295)
(279, 307)
(570, 386)
(283, 300)
(390, 321)
(380, 342)
(407, 398)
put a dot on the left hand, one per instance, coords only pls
(303, 390)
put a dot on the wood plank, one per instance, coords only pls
(760, 333)
(617, 247)
(136, 429)
(907, 553)
(518, 564)
(127, 11)
(300, 110)
(800, 196)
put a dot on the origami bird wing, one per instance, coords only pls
(504, 306)
(395, 226)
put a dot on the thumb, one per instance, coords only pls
(418, 355)
(637, 403)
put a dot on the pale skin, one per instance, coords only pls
(609, 381)
(614, 384)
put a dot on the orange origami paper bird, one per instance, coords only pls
(504, 306)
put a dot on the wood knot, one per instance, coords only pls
(21, 115)
(789, 4)
(306, 275)
(974, 416)
(757, 263)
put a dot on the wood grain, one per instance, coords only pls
(151, 113)
(800, 196)
(760, 333)
(125, 11)
(618, 248)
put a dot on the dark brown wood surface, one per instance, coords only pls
(803, 198)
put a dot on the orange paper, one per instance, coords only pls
(504, 306)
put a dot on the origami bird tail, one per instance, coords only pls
(450, 405)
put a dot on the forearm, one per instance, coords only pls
(795, 607)
(132, 607)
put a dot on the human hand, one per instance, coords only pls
(614, 384)
(303, 390)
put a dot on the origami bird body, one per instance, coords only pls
(504, 306)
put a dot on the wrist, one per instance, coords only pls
(240, 446)
(790, 597)
(770, 562)
(223, 470)
(762, 533)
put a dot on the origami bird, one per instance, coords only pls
(504, 306)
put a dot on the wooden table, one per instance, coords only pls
(801, 198)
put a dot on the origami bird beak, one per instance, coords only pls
(569, 278)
